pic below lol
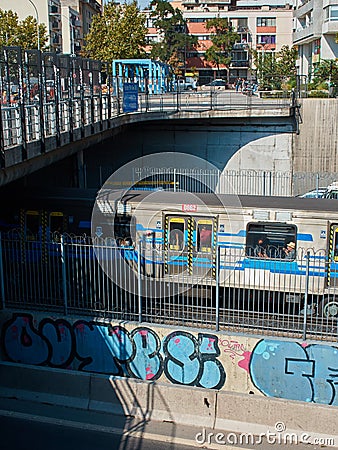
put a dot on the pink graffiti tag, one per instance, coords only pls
(244, 363)
(211, 344)
(234, 348)
(149, 374)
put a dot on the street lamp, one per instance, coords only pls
(37, 22)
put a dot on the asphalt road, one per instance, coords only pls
(23, 434)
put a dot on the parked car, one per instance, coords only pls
(215, 84)
(331, 191)
(187, 84)
(315, 193)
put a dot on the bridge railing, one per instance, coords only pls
(49, 100)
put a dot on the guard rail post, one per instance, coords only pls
(306, 294)
(139, 281)
(2, 278)
(217, 262)
(64, 276)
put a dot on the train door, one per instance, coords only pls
(177, 242)
(190, 245)
(332, 272)
(30, 224)
(204, 243)
(57, 223)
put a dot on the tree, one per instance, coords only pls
(274, 70)
(14, 32)
(175, 41)
(223, 38)
(286, 61)
(326, 75)
(118, 34)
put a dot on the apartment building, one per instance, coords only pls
(265, 28)
(67, 21)
(315, 30)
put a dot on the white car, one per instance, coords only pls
(215, 84)
(315, 193)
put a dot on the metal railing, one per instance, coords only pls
(217, 291)
(228, 181)
(49, 100)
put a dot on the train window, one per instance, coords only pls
(123, 229)
(32, 224)
(335, 242)
(176, 234)
(204, 235)
(270, 240)
(56, 222)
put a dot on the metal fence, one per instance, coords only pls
(228, 181)
(49, 100)
(64, 275)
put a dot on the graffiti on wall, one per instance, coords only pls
(281, 369)
(180, 357)
(298, 372)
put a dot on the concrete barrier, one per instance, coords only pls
(258, 415)
(155, 401)
(43, 384)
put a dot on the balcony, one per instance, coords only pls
(304, 9)
(306, 34)
(330, 27)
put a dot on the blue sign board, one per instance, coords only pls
(130, 97)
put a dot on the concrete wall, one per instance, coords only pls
(271, 367)
(315, 149)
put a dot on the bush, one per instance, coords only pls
(318, 93)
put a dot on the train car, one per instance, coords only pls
(211, 239)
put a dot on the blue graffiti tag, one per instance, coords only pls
(23, 343)
(193, 362)
(288, 370)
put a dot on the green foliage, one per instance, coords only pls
(14, 32)
(276, 71)
(175, 40)
(118, 34)
(286, 61)
(326, 72)
(223, 38)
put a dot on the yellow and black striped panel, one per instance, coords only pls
(22, 234)
(44, 224)
(165, 248)
(214, 247)
(333, 231)
(190, 244)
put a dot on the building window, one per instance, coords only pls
(316, 47)
(263, 39)
(331, 12)
(266, 21)
(197, 20)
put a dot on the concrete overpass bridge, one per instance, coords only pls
(34, 136)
